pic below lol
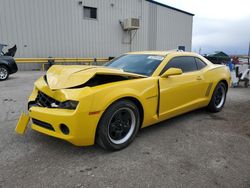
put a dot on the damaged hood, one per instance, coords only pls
(63, 77)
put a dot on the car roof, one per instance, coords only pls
(164, 53)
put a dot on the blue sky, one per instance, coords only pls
(218, 24)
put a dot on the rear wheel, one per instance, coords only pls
(118, 125)
(4, 73)
(218, 98)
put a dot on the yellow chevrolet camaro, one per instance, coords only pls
(109, 104)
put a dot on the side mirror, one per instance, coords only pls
(171, 72)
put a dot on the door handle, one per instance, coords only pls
(198, 78)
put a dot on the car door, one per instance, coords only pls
(181, 93)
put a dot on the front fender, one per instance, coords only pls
(103, 101)
(144, 90)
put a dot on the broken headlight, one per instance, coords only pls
(68, 105)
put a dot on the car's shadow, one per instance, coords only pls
(10, 78)
(58, 145)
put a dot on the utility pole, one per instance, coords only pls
(248, 53)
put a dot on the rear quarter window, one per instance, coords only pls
(200, 64)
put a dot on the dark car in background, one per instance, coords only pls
(7, 62)
(218, 57)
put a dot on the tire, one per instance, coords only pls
(218, 98)
(118, 125)
(4, 73)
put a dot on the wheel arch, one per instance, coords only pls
(224, 82)
(133, 99)
(212, 107)
(136, 101)
(5, 65)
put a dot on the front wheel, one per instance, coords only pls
(118, 125)
(4, 73)
(218, 98)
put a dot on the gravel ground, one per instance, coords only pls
(198, 149)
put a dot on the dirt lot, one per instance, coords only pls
(197, 149)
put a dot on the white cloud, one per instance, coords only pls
(230, 36)
(218, 24)
(213, 9)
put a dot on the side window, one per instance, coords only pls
(186, 64)
(200, 63)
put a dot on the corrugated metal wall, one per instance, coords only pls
(43, 28)
(152, 27)
(173, 29)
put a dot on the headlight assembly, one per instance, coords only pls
(68, 105)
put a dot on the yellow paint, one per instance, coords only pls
(22, 123)
(171, 72)
(60, 76)
(179, 93)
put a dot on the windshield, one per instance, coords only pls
(136, 63)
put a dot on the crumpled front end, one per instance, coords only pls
(77, 125)
(61, 102)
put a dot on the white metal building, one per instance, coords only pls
(91, 28)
